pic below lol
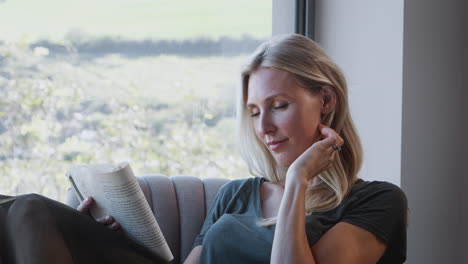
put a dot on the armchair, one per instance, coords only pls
(180, 205)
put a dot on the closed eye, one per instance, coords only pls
(281, 106)
(254, 114)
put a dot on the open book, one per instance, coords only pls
(116, 192)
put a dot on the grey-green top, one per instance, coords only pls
(231, 233)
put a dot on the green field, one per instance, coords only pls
(167, 113)
(134, 19)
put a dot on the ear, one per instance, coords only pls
(328, 97)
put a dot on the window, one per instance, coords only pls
(151, 82)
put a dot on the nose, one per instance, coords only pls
(265, 125)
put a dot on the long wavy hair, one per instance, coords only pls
(314, 70)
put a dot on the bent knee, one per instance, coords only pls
(29, 208)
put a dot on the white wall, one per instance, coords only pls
(283, 16)
(365, 38)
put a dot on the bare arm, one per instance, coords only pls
(194, 256)
(354, 244)
(290, 241)
(343, 243)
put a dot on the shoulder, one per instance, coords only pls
(236, 184)
(239, 187)
(375, 185)
(379, 207)
(378, 192)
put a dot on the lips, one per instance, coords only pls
(274, 145)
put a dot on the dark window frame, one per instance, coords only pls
(305, 18)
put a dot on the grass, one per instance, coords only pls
(176, 81)
(134, 19)
(164, 79)
(168, 79)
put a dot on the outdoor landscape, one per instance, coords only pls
(149, 82)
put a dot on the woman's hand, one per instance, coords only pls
(317, 158)
(107, 220)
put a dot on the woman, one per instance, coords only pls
(306, 204)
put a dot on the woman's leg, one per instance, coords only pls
(41, 230)
(34, 234)
(3, 244)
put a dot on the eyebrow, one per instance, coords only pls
(269, 98)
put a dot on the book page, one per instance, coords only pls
(117, 192)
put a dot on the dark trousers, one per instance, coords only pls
(35, 229)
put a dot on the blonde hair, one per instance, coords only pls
(314, 70)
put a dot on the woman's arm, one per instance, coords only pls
(194, 256)
(343, 243)
(290, 241)
(347, 243)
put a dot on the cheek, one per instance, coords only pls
(313, 125)
(306, 129)
(289, 121)
(290, 127)
(257, 130)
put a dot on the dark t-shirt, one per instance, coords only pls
(231, 233)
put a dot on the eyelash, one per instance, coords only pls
(278, 107)
(281, 106)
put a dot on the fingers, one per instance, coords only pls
(115, 226)
(106, 220)
(85, 205)
(330, 137)
(331, 143)
(110, 222)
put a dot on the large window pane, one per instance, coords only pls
(150, 82)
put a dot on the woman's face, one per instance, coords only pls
(284, 114)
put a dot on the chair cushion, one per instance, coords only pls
(179, 204)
